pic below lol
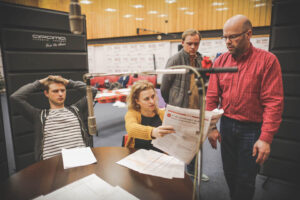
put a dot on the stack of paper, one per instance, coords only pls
(90, 187)
(154, 163)
(77, 157)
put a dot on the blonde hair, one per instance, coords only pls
(191, 32)
(54, 79)
(135, 91)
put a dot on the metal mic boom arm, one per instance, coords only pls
(92, 127)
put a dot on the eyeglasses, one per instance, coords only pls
(234, 36)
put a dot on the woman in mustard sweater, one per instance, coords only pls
(144, 119)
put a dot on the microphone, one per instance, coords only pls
(75, 18)
(91, 118)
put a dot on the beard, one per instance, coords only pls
(235, 51)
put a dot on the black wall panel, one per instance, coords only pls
(44, 61)
(282, 37)
(21, 126)
(286, 150)
(289, 60)
(282, 169)
(291, 107)
(23, 39)
(289, 130)
(291, 84)
(23, 160)
(24, 144)
(36, 43)
(286, 13)
(284, 160)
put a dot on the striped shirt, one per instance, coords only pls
(62, 130)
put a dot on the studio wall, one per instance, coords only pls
(284, 160)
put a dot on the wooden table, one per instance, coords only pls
(48, 175)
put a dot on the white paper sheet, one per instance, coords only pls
(139, 160)
(154, 163)
(90, 187)
(183, 144)
(77, 157)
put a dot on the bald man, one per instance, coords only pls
(252, 100)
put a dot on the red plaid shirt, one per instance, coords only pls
(253, 94)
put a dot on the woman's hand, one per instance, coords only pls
(161, 131)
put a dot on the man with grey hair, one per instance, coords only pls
(252, 100)
(180, 90)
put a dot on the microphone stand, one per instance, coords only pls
(92, 127)
(201, 90)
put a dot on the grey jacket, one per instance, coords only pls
(175, 87)
(38, 116)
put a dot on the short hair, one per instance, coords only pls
(135, 91)
(191, 32)
(247, 25)
(54, 79)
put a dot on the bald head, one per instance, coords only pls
(240, 22)
(237, 32)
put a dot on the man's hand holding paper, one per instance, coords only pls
(183, 144)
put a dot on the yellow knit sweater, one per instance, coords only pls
(134, 128)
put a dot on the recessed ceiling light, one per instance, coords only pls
(152, 12)
(138, 6)
(162, 15)
(217, 4)
(221, 9)
(139, 19)
(110, 10)
(85, 2)
(183, 8)
(127, 16)
(259, 5)
(170, 1)
(188, 13)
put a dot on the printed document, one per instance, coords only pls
(183, 144)
(154, 163)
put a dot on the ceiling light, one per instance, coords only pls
(217, 4)
(162, 15)
(152, 12)
(139, 19)
(259, 5)
(184, 8)
(188, 13)
(85, 2)
(138, 6)
(110, 10)
(170, 1)
(221, 9)
(127, 16)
